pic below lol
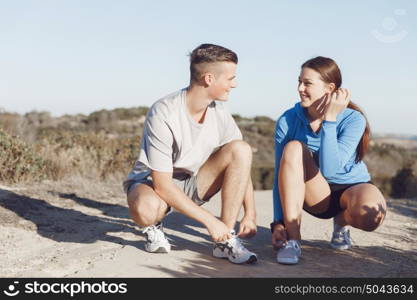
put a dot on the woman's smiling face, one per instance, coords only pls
(311, 87)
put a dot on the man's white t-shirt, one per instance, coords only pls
(174, 142)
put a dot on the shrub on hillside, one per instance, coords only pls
(404, 184)
(107, 118)
(94, 155)
(19, 162)
(262, 178)
(105, 143)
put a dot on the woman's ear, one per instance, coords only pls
(332, 87)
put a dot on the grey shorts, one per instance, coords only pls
(187, 183)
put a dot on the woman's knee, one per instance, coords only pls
(368, 217)
(293, 152)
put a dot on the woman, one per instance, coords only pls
(319, 148)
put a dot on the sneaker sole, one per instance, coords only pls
(340, 247)
(287, 262)
(158, 250)
(219, 254)
(161, 250)
(252, 259)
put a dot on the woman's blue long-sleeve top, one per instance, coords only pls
(333, 147)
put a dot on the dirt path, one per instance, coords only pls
(82, 229)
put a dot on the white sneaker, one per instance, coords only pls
(156, 242)
(290, 253)
(234, 251)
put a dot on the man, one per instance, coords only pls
(191, 148)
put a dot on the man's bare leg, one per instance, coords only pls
(228, 169)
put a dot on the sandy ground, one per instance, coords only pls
(79, 229)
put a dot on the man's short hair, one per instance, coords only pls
(206, 54)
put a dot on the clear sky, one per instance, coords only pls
(78, 56)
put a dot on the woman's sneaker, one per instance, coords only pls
(234, 251)
(156, 242)
(341, 239)
(290, 253)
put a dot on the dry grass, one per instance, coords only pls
(104, 145)
(19, 162)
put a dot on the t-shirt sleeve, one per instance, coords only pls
(230, 130)
(157, 141)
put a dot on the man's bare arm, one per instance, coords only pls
(176, 198)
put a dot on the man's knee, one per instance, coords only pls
(144, 210)
(240, 149)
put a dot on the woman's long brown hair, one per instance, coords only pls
(330, 72)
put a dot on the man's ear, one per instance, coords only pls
(208, 79)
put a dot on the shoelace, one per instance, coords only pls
(293, 244)
(346, 236)
(236, 243)
(343, 235)
(153, 233)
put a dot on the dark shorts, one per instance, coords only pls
(334, 205)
